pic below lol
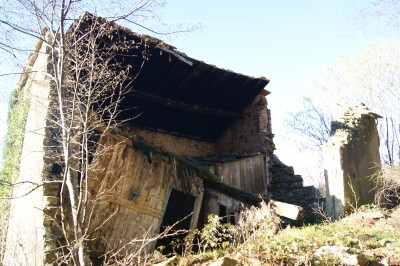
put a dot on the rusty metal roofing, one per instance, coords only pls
(181, 95)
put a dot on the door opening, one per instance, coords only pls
(179, 206)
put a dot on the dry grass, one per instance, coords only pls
(258, 239)
(388, 180)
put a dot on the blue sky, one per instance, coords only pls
(286, 41)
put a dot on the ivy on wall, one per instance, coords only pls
(11, 157)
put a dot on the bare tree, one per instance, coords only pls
(383, 13)
(88, 83)
(311, 124)
(372, 78)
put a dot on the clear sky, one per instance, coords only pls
(287, 41)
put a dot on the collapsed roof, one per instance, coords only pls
(180, 95)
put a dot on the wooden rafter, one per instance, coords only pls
(181, 105)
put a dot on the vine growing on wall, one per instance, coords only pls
(11, 158)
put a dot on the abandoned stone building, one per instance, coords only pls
(200, 143)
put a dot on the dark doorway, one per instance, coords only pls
(180, 205)
(222, 214)
(225, 217)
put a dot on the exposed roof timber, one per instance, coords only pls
(216, 99)
(176, 93)
(235, 94)
(211, 91)
(181, 105)
(166, 77)
(181, 86)
(232, 192)
(196, 90)
(190, 63)
(259, 84)
(264, 92)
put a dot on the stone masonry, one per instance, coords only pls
(351, 158)
(288, 187)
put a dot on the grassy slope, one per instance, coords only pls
(374, 239)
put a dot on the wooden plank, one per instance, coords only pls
(102, 225)
(232, 192)
(287, 210)
(136, 207)
(196, 211)
(182, 105)
(183, 59)
(264, 92)
(247, 174)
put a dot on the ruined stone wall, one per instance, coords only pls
(250, 134)
(25, 242)
(288, 187)
(351, 158)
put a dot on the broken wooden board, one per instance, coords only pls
(287, 210)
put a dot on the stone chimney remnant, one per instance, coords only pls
(351, 158)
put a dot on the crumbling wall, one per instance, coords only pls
(351, 158)
(250, 134)
(288, 187)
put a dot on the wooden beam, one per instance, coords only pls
(264, 92)
(232, 192)
(208, 72)
(238, 91)
(136, 207)
(181, 105)
(180, 57)
(184, 81)
(166, 76)
(211, 90)
(287, 210)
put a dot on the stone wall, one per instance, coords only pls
(288, 187)
(34, 233)
(351, 158)
(250, 134)
(25, 242)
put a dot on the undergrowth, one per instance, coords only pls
(388, 191)
(258, 237)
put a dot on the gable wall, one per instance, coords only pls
(25, 242)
